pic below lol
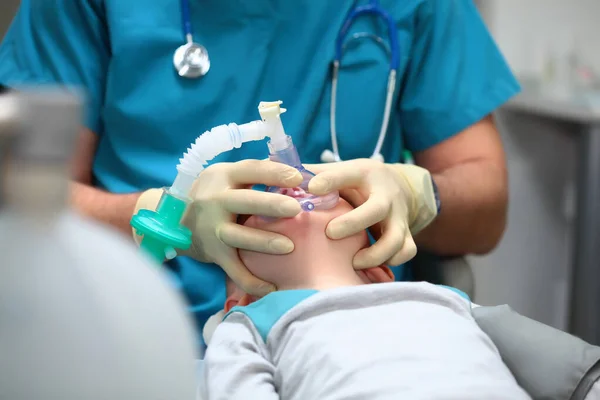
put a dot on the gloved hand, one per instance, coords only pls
(395, 201)
(220, 194)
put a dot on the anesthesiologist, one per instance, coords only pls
(145, 106)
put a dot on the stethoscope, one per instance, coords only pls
(393, 51)
(191, 59)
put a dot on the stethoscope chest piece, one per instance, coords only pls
(191, 60)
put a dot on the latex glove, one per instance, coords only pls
(395, 200)
(380, 274)
(220, 194)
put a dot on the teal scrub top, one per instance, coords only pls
(451, 76)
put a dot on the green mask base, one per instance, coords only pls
(162, 230)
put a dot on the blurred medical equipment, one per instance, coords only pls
(371, 8)
(83, 316)
(162, 230)
(190, 59)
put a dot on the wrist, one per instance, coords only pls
(422, 195)
(148, 200)
(108, 208)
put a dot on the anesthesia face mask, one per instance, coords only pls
(308, 201)
(289, 155)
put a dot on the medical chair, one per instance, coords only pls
(547, 363)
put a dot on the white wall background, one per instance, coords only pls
(530, 270)
(527, 30)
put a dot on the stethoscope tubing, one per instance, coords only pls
(372, 8)
(186, 16)
(376, 10)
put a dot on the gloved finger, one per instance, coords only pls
(376, 230)
(362, 275)
(407, 253)
(253, 202)
(380, 274)
(390, 243)
(319, 168)
(353, 196)
(335, 179)
(237, 271)
(374, 210)
(246, 238)
(253, 172)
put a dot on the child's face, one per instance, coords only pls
(307, 231)
(311, 245)
(305, 225)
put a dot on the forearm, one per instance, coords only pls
(109, 208)
(474, 198)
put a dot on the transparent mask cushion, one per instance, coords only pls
(289, 155)
(308, 202)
